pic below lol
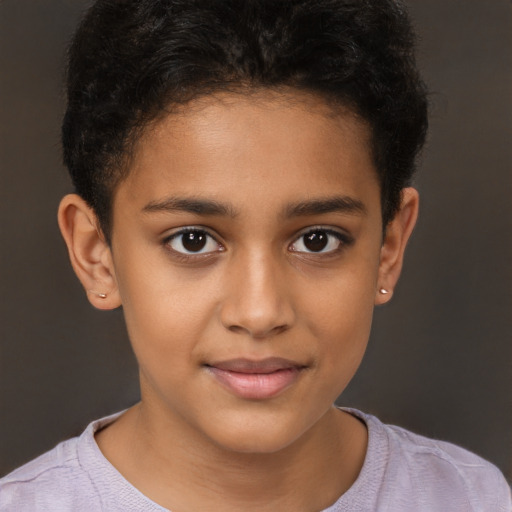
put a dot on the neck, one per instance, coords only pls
(181, 470)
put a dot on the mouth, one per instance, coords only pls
(256, 379)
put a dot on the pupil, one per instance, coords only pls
(316, 241)
(194, 241)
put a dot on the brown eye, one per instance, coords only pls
(316, 241)
(193, 241)
(319, 241)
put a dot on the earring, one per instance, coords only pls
(100, 295)
(383, 291)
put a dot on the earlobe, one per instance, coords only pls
(392, 251)
(89, 253)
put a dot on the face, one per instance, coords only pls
(246, 244)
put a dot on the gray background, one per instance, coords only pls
(439, 357)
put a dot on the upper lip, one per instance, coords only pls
(267, 365)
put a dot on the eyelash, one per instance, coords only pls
(186, 256)
(343, 239)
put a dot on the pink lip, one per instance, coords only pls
(256, 380)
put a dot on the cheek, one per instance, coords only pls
(339, 315)
(343, 333)
(167, 313)
(343, 330)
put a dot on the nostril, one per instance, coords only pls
(258, 334)
(279, 329)
(257, 304)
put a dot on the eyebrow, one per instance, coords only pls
(209, 207)
(190, 205)
(338, 204)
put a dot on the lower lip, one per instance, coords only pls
(256, 386)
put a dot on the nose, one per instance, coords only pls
(257, 300)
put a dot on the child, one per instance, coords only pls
(242, 171)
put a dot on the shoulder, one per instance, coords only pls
(66, 478)
(429, 474)
(51, 480)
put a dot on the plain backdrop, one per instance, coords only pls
(439, 360)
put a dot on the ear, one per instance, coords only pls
(89, 253)
(392, 251)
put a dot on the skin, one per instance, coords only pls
(279, 166)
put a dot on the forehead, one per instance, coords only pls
(277, 146)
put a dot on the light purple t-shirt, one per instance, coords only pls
(402, 472)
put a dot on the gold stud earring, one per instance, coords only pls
(100, 295)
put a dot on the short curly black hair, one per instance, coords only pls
(132, 60)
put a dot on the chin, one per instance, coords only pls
(265, 435)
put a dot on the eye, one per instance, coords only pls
(319, 240)
(192, 241)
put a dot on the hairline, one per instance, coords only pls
(121, 167)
